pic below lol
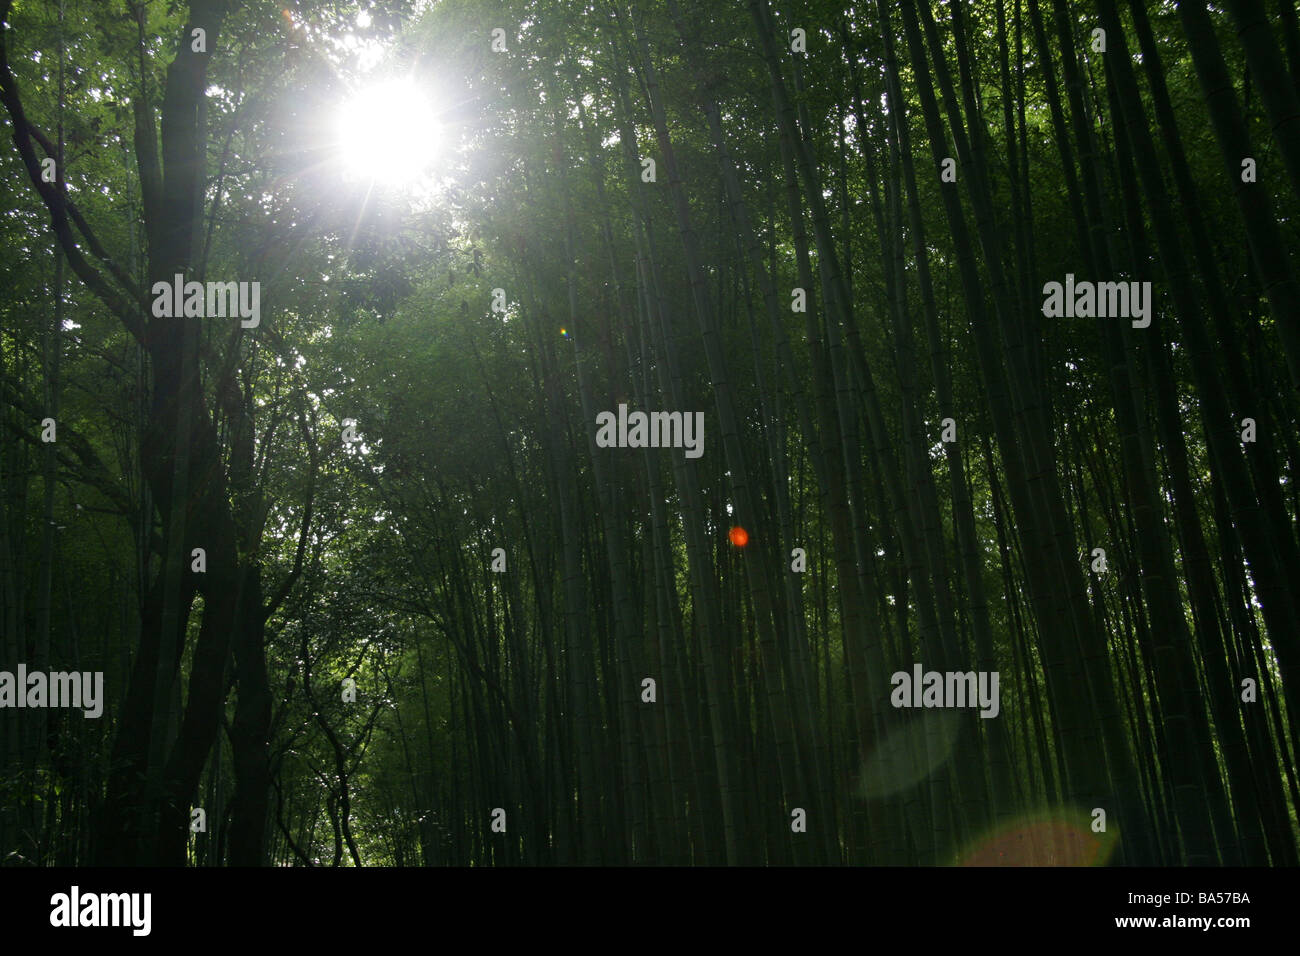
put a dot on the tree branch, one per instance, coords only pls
(92, 469)
(313, 456)
(121, 306)
(92, 241)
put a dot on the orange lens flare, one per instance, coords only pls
(1047, 841)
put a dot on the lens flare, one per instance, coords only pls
(1060, 838)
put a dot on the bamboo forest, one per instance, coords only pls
(649, 432)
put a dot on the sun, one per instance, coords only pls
(388, 133)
